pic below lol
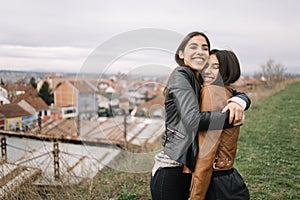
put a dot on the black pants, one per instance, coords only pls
(170, 184)
(227, 185)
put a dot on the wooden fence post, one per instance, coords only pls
(56, 160)
(3, 150)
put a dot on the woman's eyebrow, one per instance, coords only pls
(194, 43)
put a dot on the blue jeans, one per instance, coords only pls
(170, 184)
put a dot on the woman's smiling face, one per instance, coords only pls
(210, 73)
(196, 53)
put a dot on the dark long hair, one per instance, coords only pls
(229, 67)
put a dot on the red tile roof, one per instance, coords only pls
(83, 86)
(13, 110)
(29, 92)
(38, 103)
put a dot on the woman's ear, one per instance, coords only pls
(181, 54)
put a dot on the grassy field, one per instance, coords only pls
(268, 158)
(269, 146)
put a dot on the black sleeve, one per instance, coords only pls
(214, 120)
(243, 96)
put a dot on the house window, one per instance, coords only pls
(70, 111)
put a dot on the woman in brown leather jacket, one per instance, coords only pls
(214, 176)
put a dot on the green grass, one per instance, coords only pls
(111, 185)
(269, 146)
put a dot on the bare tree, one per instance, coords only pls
(273, 72)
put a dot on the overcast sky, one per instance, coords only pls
(63, 35)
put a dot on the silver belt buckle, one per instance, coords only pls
(214, 165)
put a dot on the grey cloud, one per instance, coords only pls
(256, 30)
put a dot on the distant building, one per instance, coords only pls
(16, 118)
(81, 95)
(2, 122)
(3, 100)
(16, 93)
(3, 92)
(37, 107)
(103, 85)
(151, 109)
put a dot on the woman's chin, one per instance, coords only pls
(207, 83)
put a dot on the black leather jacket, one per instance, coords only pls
(183, 118)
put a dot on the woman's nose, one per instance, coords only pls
(200, 51)
(207, 70)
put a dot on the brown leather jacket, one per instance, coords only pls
(217, 148)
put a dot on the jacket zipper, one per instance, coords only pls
(176, 133)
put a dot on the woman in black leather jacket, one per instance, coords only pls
(184, 120)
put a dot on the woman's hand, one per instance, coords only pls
(236, 112)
